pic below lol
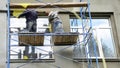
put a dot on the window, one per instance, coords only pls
(41, 52)
(103, 38)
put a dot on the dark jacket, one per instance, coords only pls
(30, 15)
(31, 19)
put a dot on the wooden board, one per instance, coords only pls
(49, 5)
(35, 39)
(69, 39)
(31, 39)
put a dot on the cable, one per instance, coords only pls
(97, 63)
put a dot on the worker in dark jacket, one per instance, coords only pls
(31, 26)
(31, 18)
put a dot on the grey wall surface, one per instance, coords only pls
(3, 36)
(3, 33)
(96, 6)
(3, 4)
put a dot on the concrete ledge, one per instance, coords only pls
(31, 60)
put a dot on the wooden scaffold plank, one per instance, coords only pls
(29, 39)
(48, 5)
(62, 40)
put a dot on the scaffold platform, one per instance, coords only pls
(37, 39)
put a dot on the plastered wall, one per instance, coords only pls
(3, 36)
(3, 33)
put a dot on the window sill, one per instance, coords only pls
(99, 59)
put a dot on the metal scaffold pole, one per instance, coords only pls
(8, 33)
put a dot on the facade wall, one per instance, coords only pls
(96, 6)
(3, 4)
(3, 33)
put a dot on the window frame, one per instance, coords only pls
(110, 17)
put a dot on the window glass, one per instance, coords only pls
(101, 31)
(100, 23)
(106, 42)
(105, 36)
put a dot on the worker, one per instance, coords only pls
(55, 22)
(31, 26)
(31, 19)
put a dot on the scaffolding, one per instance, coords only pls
(73, 39)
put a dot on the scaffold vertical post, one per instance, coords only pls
(8, 34)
